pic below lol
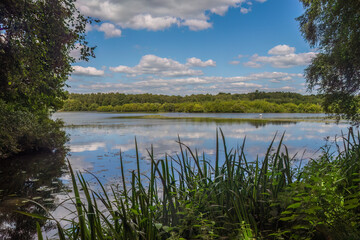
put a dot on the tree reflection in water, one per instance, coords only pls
(33, 177)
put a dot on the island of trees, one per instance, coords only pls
(255, 102)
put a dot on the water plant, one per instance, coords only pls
(185, 196)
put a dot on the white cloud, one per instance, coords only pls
(283, 56)
(198, 63)
(245, 10)
(158, 15)
(154, 65)
(220, 10)
(76, 52)
(146, 21)
(252, 64)
(109, 29)
(197, 24)
(87, 71)
(243, 84)
(198, 84)
(88, 27)
(281, 50)
(288, 88)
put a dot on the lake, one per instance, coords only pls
(97, 138)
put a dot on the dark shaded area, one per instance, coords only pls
(27, 177)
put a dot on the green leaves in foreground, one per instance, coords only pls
(186, 197)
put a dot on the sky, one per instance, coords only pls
(183, 47)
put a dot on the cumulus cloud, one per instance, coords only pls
(252, 64)
(87, 71)
(282, 56)
(162, 14)
(146, 21)
(196, 84)
(195, 62)
(264, 76)
(154, 65)
(221, 10)
(281, 50)
(245, 10)
(196, 24)
(76, 52)
(244, 84)
(109, 29)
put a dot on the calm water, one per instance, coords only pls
(97, 138)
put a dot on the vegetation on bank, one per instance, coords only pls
(187, 197)
(23, 131)
(36, 38)
(256, 102)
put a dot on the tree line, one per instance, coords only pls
(258, 102)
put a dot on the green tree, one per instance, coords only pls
(333, 26)
(36, 38)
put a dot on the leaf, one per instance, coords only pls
(292, 217)
(295, 205)
(39, 233)
(158, 226)
(299, 227)
(134, 211)
(33, 215)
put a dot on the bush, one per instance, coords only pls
(23, 131)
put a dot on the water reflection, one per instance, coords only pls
(28, 177)
(97, 138)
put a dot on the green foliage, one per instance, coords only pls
(325, 203)
(186, 197)
(333, 27)
(36, 38)
(24, 131)
(259, 102)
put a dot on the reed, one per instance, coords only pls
(187, 197)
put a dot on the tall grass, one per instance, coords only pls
(187, 197)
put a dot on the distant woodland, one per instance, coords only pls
(255, 102)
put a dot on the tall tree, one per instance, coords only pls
(36, 38)
(333, 26)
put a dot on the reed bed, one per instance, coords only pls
(187, 197)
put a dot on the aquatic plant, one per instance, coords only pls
(187, 197)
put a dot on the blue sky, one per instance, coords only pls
(181, 47)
